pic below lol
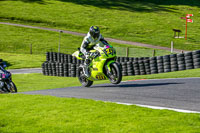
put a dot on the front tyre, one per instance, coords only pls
(11, 87)
(83, 80)
(115, 75)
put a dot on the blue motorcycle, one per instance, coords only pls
(6, 83)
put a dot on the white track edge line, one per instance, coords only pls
(160, 108)
(162, 79)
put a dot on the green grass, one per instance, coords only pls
(146, 21)
(18, 40)
(16, 61)
(40, 82)
(15, 50)
(48, 114)
(36, 113)
(140, 52)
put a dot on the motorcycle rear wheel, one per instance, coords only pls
(83, 80)
(116, 76)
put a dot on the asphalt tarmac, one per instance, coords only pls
(24, 71)
(170, 93)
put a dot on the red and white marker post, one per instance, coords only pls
(187, 18)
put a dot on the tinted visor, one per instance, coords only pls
(96, 35)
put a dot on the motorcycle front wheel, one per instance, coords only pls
(83, 80)
(115, 75)
(11, 87)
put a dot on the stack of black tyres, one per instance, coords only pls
(131, 59)
(173, 62)
(58, 64)
(65, 58)
(49, 69)
(44, 68)
(65, 69)
(73, 70)
(130, 70)
(160, 64)
(196, 58)
(53, 57)
(181, 62)
(53, 67)
(153, 65)
(122, 59)
(118, 59)
(126, 59)
(69, 58)
(124, 68)
(61, 70)
(147, 65)
(136, 66)
(57, 69)
(141, 66)
(167, 64)
(188, 60)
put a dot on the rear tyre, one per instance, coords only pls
(83, 80)
(116, 75)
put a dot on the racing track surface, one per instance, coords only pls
(25, 70)
(171, 93)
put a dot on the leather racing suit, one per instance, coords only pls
(88, 44)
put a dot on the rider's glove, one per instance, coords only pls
(92, 55)
(7, 75)
(87, 55)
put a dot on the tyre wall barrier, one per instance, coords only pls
(59, 64)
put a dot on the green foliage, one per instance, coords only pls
(146, 21)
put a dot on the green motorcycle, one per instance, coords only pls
(103, 66)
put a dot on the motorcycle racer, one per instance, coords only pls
(92, 39)
(3, 74)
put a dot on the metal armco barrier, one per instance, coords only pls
(59, 64)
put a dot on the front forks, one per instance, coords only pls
(109, 72)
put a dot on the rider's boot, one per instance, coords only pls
(86, 71)
(86, 68)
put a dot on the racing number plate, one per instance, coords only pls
(108, 51)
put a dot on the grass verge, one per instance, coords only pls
(45, 114)
(21, 40)
(16, 61)
(148, 21)
(36, 113)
